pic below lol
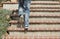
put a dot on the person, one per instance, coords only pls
(24, 9)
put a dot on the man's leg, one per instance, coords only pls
(26, 22)
(27, 12)
(20, 8)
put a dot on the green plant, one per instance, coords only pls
(2, 0)
(4, 22)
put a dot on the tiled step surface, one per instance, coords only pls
(35, 27)
(44, 20)
(45, 2)
(45, 14)
(38, 2)
(52, 7)
(40, 20)
(34, 35)
(42, 14)
(45, 10)
(44, 5)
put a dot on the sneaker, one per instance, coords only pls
(26, 29)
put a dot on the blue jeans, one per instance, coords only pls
(24, 9)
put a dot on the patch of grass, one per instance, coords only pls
(4, 21)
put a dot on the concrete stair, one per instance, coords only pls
(34, 35)
(35, 28)
(42, 14)
(45, 2)
(44, 22)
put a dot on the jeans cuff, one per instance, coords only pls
(26, 27)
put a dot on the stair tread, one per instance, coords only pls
(45, 2)
(37, 22)
(45, 6)
(32, 29)
(39, 10)
(44, 10)
(38, 25)
(31, 37)
(41, 7)
(39, 15)
(36, 2)
(28, 35)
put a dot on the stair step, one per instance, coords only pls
(15, 6)
(44, 20)
(36, 2)
(40, 21)
(34, 35)
(36, 27)
(45, 14)
(42, 10)
(45, 2)
(39, 8)
(41, 14)
(41, 5)
(44, 7)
